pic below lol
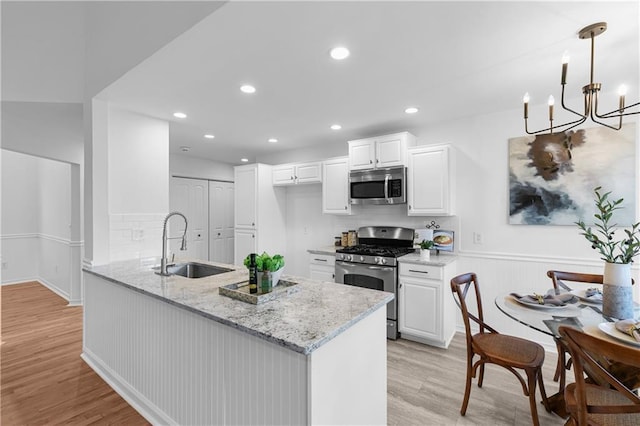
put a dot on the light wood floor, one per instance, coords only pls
(44, 381)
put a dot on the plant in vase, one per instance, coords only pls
(618, 255)
(425, 247)
(269, 270)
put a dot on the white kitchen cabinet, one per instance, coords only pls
(335, 186)
(380, 151)
(426, 309)
(260, 212)
(322, 267)
(293, 174)
(221, 218)
(431, 181)
(191, 198)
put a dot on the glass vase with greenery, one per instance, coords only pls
(602, 236)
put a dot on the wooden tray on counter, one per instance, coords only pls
(240, 291)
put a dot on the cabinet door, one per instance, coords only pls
(362, 154)
(429, 187)
(390, 151)
(335, 187)
(191, 198)
(246, 197)
(284, 175)
(221, 221)
(322, 273)
(245, 242)
(420, 308)
(308, 173)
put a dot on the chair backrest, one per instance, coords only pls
(558, 278)
(588, 353)
(460, 286)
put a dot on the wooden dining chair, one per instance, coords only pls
(558, 279)
(492, 347)
(609, 402)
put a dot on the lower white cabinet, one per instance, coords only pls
(245, 243)
(426, 308)
(322, 267)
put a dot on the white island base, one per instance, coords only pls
(175, 366)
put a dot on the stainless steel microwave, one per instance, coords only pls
(379, 186)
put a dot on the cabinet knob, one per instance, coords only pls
(400, 285)
(370, 161)
(253, 236)
(377, 160)
(291, 177)
(409, 206)
(345, 207)
(218, 234)
(253, 224)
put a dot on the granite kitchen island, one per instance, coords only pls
(181, 353)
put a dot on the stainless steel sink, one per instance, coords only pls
(195, 270)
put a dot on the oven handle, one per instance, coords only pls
(371, 267)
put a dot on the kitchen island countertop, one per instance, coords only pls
(301, 322)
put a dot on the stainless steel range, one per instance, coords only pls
(373, 264)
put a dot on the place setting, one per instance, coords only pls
(547, 301)
(626, 331)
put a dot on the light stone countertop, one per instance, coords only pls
(302, 321)
(441, 259)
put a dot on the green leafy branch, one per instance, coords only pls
(601, 239)
(265, 262)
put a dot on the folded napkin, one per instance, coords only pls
(548, 299)
(593, 293)
(630, 327)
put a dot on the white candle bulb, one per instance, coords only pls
(551, 100)
(622, 90)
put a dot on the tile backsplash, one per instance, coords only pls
(135, 236)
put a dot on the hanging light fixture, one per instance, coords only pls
(590, 92)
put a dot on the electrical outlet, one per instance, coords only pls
(137, 234)
(477, 238)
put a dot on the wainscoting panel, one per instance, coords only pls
(176, 367)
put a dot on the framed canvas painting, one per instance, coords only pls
(552, 176)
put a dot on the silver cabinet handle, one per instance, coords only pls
(321, 260)
(420, 272)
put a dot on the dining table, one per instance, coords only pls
(579, 313)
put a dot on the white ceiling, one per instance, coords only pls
(450, 59)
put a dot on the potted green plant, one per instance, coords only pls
(425, 249)
(270, 264)
(618, 255)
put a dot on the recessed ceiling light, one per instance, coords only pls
(179, 115)
(336, 127)
(209, 136)
(273, 140)
(411, 110)
(339, 53)
(247, 88)
(244, 160)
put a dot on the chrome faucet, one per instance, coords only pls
(164, 261)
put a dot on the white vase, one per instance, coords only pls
(617, 294)
(425, 254)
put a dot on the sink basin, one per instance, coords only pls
(195, 270)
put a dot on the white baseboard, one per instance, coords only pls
(142, 405)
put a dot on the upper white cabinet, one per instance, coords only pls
(335, 187)
(380, 151)
(260, 212)
(292, 174)
(431, 181)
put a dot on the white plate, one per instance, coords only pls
(582, 295)
(536, 305)
(610, 329)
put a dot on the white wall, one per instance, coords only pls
(199, 168)
(36, 234)
(130, 184)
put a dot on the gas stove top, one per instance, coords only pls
(373, 250)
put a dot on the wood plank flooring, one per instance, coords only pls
(44, 380)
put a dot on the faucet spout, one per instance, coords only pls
(164, 261)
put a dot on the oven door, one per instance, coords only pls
(370, 276)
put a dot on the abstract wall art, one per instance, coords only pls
(552, 176)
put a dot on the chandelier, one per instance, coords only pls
(590, 92)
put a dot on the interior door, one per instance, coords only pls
(221, 239)
(191, 198)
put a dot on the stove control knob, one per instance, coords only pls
(348, 257)
(382, 261)
(361, 258)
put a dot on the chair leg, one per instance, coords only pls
(543, 392)
(467, 388)
(560, 364)
(532, 376)
(481, 376)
